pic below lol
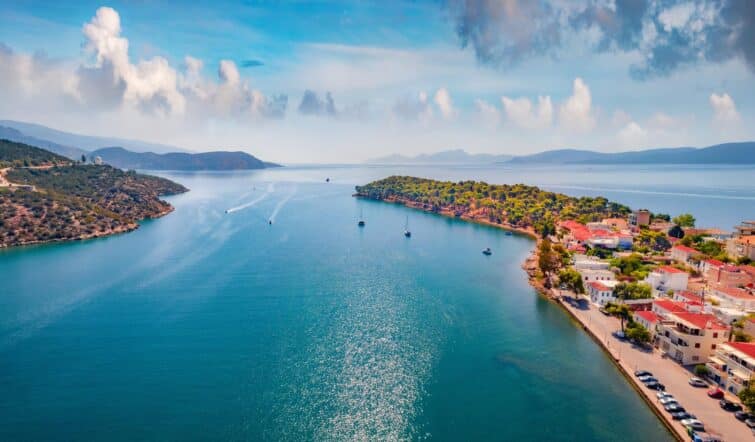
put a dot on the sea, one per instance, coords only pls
(259, 310)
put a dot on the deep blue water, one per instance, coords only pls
(213, 325)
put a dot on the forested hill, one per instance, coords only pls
(518, 205)
(120, 157)
(45, 197)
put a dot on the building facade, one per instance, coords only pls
(733, 365)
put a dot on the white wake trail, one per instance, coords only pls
(282, 203)
(270, 189)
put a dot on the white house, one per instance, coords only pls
(733, 365)
(740, 299)
(601, 292)
(589, 275)
(583, 262)
(667, 278)
(681, 253)
(691, 338)
(647, 319)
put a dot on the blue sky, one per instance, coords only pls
(346, 81)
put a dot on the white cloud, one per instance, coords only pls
(576, 113)
(445, 104)
(632, 135)
(724, 110)
(676, 16)
(417, 107)
(522, 113)
(489, 114)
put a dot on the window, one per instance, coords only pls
(697, 345)
(715, 334)
(713, 346)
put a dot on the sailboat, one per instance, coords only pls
(407, 233)
(361, 219)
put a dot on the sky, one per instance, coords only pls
(346, 81)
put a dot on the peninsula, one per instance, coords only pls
(45, 197)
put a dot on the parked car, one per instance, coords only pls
(729, 405)
(648, 379)
(655, 386)
(706, 437)
(716, 393)
(674, 407)
(750, 423)
(681, 415)
(662, 394)
(639, 373)
(667, 400)
(619, 335)
(697, 382)
(743, 415)
(694, 425)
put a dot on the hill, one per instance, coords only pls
(456, 156)
(52, 199)
(84, 142)
(14, 154)
(120, 157)
(73, 153)
(728, 153)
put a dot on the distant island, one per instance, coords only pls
(124, 159)
(45, 197)
(457, 156)
(520, 207)
(126, 154)
(727, 153)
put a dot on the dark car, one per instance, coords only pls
(743, 416)
(729, 405)
(639, 373)
(655, 386)
(679, 415)
(750, 423)
(674, 407)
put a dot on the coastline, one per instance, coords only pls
(530, 267)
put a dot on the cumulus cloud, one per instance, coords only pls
(521, 112)
(312, 104)
(489, 114)
(32, 76)
(445, 104)
(414, 107)
(632, 135)
(576, 112)
(724, 110)
(666, 33)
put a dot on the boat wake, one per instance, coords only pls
(270, 189)
(282, 203)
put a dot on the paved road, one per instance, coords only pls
(671, 374)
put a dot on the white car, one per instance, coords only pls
(668, 400)
(697, 382)
(662, 394)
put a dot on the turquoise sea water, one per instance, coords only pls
(213, 325)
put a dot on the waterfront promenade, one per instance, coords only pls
(668, 372)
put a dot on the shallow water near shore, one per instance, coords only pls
(213, 325)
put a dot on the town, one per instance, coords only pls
(674, 304)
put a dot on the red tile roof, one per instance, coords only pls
(669, 269)
(685, 249)
(647, 315)
(701, 320)
(689, 297)
(670, 306)
(747, 348)
(735, 293)
(597, 285)
(714, 262)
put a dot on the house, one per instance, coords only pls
(583, 262)
(741, 247)
(647, 319)
(707, 264)
(688, 298)
(740, 299)
(666, 278)
(732, 365)
(665, 307)
(601, 292)
(589, 275)
(690, 337)
(682, 254)
(727, 275)
(618, 224)
(639, 218)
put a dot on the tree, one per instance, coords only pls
(83, 158)
(547, 260)
(638, 333)
(701, 370)
(747, 396)
(632, 290)
(684, 220)
(621, 311)
(572, 280)
(662, 217)
(676, 232)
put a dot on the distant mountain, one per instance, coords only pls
(11, 134)
(728, 153)
(457, 156)
(84, 142)
(124, 159)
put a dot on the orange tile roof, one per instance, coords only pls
(685, 249)
(597, 285)
(647, 315)
(671, 306)
(669, 269)
(701, 320)
(747, 348)
(735, 293)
